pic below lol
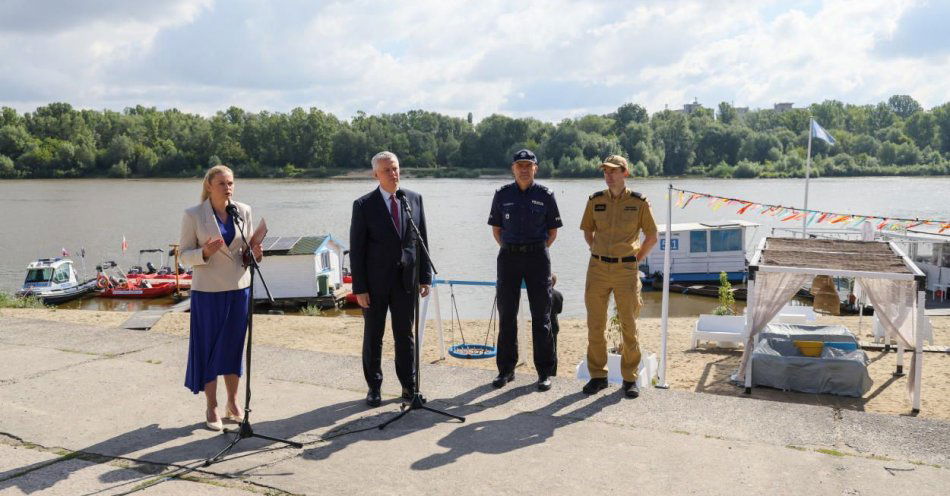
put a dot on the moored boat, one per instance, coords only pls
(144, 291)
(54, 281)
(700, 251)
(121, 286)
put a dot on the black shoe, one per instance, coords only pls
(503, 379)
(594, 385)
(373, 399)
(408, 394)
(630, 389)
(544, 383)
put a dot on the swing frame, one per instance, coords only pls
(466, 350)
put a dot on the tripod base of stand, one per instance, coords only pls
(246, 432)
(418, 403)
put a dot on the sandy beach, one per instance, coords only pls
(704, 370)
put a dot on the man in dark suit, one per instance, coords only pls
(383, 261)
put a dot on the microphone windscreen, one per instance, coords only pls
(232, 209)
(400, 194)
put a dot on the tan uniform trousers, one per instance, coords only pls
(623, 281)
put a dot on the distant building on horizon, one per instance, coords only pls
(689, 108)
(782, 107)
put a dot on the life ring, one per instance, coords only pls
(102, 282)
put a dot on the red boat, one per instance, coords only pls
(133, 290)
(111, 286)
(151, 274)
(184, 280)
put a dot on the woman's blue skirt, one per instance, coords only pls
(218, 326)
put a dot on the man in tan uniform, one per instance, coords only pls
(612, 222)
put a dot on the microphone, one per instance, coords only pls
(401, 195)
(233, 211)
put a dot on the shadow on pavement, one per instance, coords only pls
(519, 431)
(462, 404)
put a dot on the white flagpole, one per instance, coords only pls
(664, 322)
(807, 175)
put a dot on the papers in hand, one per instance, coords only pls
(258, 237)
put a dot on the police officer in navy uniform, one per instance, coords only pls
(524, 219)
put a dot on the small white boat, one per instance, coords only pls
(53, 281)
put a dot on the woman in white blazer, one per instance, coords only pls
(211, 244)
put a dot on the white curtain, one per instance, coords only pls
(771, 292)
(893, 305)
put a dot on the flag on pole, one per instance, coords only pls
(65, 253)
(819, 132)
(125, 245)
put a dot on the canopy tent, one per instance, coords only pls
(892, 282)
(890, 279)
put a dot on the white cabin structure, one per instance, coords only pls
(301, 268)
(931, 253)
(701, 250)
(50, 273)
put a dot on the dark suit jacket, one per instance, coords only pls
(379, 258)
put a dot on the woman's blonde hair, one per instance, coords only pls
(209, 176)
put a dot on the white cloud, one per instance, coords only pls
(548, 59)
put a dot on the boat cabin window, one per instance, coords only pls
(697, 242)
(61, 274)
(39, 275)
(726, 239)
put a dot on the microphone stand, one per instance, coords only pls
(418, 402)
(246, 431)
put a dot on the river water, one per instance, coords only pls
(41, 217)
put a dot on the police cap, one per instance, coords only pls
(524, 156)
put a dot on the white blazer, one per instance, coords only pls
(222, 271)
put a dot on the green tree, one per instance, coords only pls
(922, 128)
(14, 140)
(727, 113)
(629, 113)
(120, 170)
(7, 168)
(830, 114)
(903, 105)
(671, 133)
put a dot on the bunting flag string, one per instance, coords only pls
(811, 217)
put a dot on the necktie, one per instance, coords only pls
(394, 211)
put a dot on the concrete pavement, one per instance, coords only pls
(87, 410)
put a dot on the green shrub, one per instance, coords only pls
(727, 301)
(10, 301)
(311, 311)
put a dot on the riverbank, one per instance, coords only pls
(96, 410)
(703, 370)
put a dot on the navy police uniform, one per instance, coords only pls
(524, 218)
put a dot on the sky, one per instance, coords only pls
(550, 59)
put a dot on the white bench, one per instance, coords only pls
(720, 328)
(731, 328)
